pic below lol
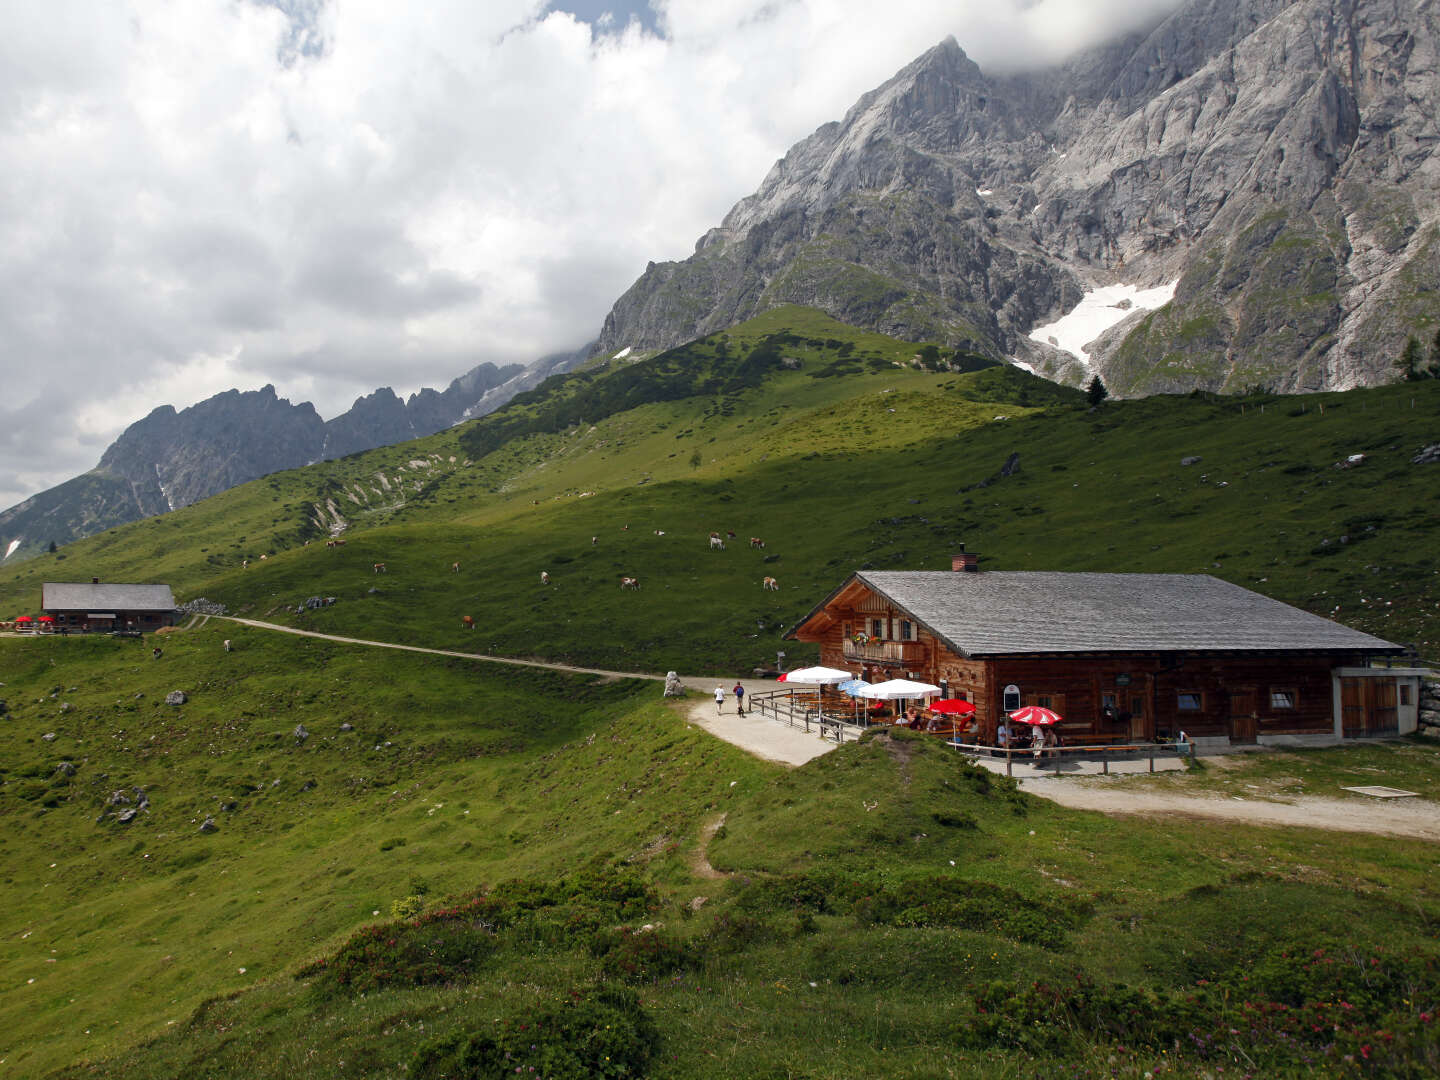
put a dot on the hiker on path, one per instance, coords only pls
(719, 699)
(739, 698)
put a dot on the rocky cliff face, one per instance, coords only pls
(172, 459)
(1275, 159)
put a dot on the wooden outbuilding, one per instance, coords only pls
(1129, 656)
(98, 607)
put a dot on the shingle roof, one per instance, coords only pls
(1000, 612)
(78, 596)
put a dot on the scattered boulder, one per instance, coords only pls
(301, 734)
(117, 798)
(208, 825)
(124, 817)
(1195, 460)
(65, 768)
(49, 736)
(229, 807)
(65, 706)
(176, 697)
(672, 685)
(142, 801)
(1430, 455)
(347, 727)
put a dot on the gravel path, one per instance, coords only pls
(1418, 818)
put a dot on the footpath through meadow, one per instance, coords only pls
(773, 741)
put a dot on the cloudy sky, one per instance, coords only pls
(335, 195)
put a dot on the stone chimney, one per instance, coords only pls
(962, 562)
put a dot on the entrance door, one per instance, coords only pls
(1139, 717)
(1242, 716)
(1367, 707)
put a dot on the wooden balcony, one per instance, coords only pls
(904, 652)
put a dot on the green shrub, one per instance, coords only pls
(603, 1032)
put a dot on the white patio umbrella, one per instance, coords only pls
(818, 676)
(900, 688)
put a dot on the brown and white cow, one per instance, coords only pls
(544, 577)
(770, 584)
(379, 568)
(455, 568)
(629, 583)
(756, 542)
(468, 622)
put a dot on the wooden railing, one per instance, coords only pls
(1053, 755)
(807, 709)
(905, 652)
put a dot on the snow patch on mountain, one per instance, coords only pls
(1097, 312)
(13, 545)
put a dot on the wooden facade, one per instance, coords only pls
(1244, 695)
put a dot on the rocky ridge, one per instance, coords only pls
(1274, 159)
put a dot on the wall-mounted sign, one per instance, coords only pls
(1123, 679)
(1012, 698)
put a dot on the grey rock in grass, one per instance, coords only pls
(65, 706)
(176, 697)
(229, 807)
(117, 798)
(209, 826)
(65, 768)
(672, 685)
(124, 817)
(1190, 460)
(49, 736)
(301, 734)
(1428, 456)
(347, 727)
(142, 801)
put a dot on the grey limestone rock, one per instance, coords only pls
(672, 685)
(1276, 159)
(300, 733)
(347, 727)
(49, 736)
(124, 817)
(176, 697)
(208, 825)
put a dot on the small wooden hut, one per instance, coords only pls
(98, 607)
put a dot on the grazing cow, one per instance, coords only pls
(659, 532)
(756, 542)
(629, 583)
(730, 534)
(544, 577)
(227, 644)
(716, 544)
(379, 568)
(455, 568)
(263, 558)
(594, 540)
(467, 622)
(770, 584)
(244, 564)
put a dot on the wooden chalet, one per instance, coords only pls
(97, 607)
(1129, 656)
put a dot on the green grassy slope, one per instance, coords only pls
(884, 910)
(840, 453)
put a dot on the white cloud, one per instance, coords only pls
(199, 194)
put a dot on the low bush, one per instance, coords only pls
(601, 1032)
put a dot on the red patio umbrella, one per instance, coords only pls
(24, 618)
(958, 706)
(47, 618)
(1035, 716)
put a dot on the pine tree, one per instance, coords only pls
(52, 547)
(1410, 363)
(1096, 392)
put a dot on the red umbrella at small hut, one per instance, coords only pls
(47, 618)
(1036, 716)
(23, 618)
